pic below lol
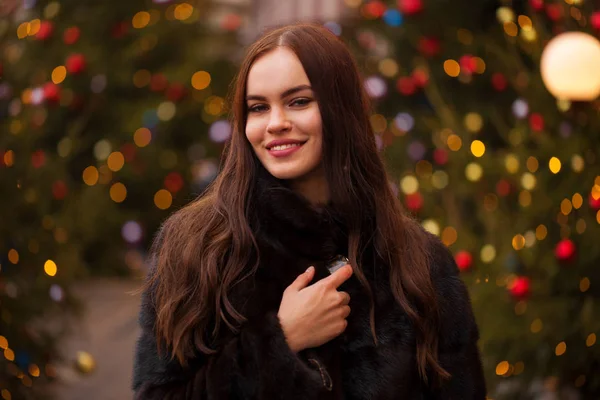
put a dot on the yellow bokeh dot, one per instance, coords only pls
(518, 242)
(577, 200)
(525, 198)
(388, 67)
(560, 349)
(502, 368)
(59, 74)
(166, 111)
(115, 161)
(449, 235)
(536, 325)
(452, 68)
(439, 179)
(34, 26)
(577, 163)
(9, 158)
(505, 14)
(554, 164)
(50, 268)
(532, 164)
(473, 122)
(580, 226)
(479, 65)
(23, 30)
(591, 340)
(477, 148)
(140, 19)
(214, 105)
(528, 181)
(584, 284)
(511, 162)
(142, 137)
(566, 206)
(163, 199)
(13, 256)
(488, 253)
(6, 394)
(34, 370)
(454, 142)
(90, 175)
(525, 22)
(3, 343)
(511, 29)
(9, 354)
(541, 232)
(409, 184)
(118, 192)
(200, 80)
(183, 11)
(598, 216)
(378, 123)
(141, 78)
(473, 172)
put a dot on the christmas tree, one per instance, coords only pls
(488, 113)
(112, 114)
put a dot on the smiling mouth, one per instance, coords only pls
(284, 146)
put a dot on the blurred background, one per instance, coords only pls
(113, 114)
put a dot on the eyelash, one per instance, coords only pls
(256, 107)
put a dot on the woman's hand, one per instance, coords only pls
(313, 315)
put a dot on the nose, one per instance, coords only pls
(278, 121)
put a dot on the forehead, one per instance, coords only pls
(274, 72)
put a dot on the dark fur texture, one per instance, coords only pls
(258, 364)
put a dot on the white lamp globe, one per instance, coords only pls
(570, 66)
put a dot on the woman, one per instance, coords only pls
(231, 311)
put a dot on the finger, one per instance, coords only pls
(303, 279)
(345, 311)
(338, 277)
(344, 298)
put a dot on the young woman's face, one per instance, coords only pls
(284, 122)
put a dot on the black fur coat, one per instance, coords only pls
(258, 364)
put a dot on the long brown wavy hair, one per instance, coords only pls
(207, 247)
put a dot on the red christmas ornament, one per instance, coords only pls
(410, 7)
(499, 82)
(565, 250)
(440, 156)
(45, 31)
(173, 182)
(536, 122)
(158, 82)
(537, 5)
(594, 203)
(464, 260)
(119, 29)
(59, 190)
(406, 85)
(38, 158)
(175, 92)
(71, 35)
(420, 77)
(429, 46)
(503, 187)
(75, 63)
(554, 11)
(231, 22)
(51, 92)
(595, 20)
(375, 9)
(468, 64)
(520, 287)
(128, 150)
(414, 202)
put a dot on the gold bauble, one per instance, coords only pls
(84, 362)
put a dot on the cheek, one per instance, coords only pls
(254, 132)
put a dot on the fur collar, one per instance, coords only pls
(289, 223)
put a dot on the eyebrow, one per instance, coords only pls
(285, 94)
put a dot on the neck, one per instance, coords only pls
(313, 187)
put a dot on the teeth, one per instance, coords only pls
(285, 146)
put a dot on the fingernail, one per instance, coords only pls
(309, 269)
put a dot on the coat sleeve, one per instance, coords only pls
(458, 351)
(256, 363)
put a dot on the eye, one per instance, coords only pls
(257, 108)
(300, 102)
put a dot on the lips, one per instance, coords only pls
(284, 148)
(284, 142)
